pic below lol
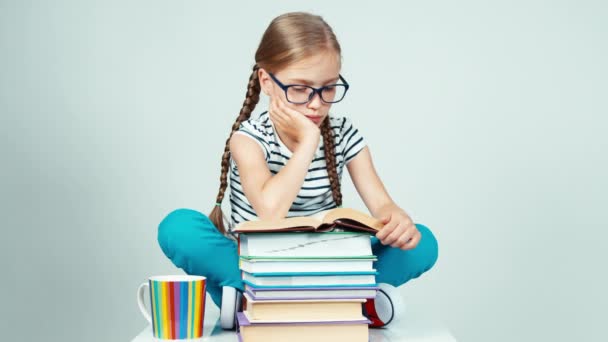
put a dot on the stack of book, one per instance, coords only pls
(306, 278)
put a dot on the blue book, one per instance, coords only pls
(310, 279)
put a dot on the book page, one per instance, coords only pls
(278, 225)
(320, 215)
(352, 214)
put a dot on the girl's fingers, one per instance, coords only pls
(404, 238)
(413, 242)
(282, 107)
(386, 230)
(276, 114)
(386, 219)
(394, 236)
(277, 109)
(291, 114)
(273, 107)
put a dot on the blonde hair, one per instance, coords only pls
(289, 38)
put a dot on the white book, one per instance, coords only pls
(310, 280)
(306, 265)
(305, 244)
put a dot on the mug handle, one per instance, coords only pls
(140, 302)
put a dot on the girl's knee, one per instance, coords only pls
(178, 225)
(427, 245)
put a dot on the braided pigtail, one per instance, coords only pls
(330, 160)
(251, 100)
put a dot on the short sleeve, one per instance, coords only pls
(352, 141)
(256, 133)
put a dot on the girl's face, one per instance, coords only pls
(316, 71)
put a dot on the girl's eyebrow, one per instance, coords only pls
(307, 82)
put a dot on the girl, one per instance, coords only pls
(289, 162)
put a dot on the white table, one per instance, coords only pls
(413, 325)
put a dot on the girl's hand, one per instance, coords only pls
(293, 123)
(399, 230)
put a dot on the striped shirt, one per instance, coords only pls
(315, 194)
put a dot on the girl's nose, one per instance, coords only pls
(315, 102)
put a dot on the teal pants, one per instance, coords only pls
(191, 241)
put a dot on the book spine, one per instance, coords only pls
(309, 274)
(238, 244)
(312, 257)
(314, 286)
(255, 289)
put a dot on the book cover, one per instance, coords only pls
(310, 274)
(291, 286)
(310, 278)
(274, 293)
(307, 257)
(303, 310)
(262, 265)
(305, 245)
(324, 221)
(352, 331)
(243, 322)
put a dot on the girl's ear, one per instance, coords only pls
(265, 81)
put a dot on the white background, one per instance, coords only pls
(486, 122)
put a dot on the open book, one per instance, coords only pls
(329, 220)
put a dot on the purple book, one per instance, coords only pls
(243, 321)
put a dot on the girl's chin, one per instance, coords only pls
(317, 122)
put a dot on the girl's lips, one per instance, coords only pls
(315, 119)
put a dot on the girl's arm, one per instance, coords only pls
(399, 230)
(271, 195)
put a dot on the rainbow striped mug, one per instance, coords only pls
(178, 306)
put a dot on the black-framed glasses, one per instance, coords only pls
(300, 93)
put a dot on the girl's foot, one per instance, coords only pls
(382, 309)
(231, 304)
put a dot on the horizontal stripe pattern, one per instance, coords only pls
(315, 194)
